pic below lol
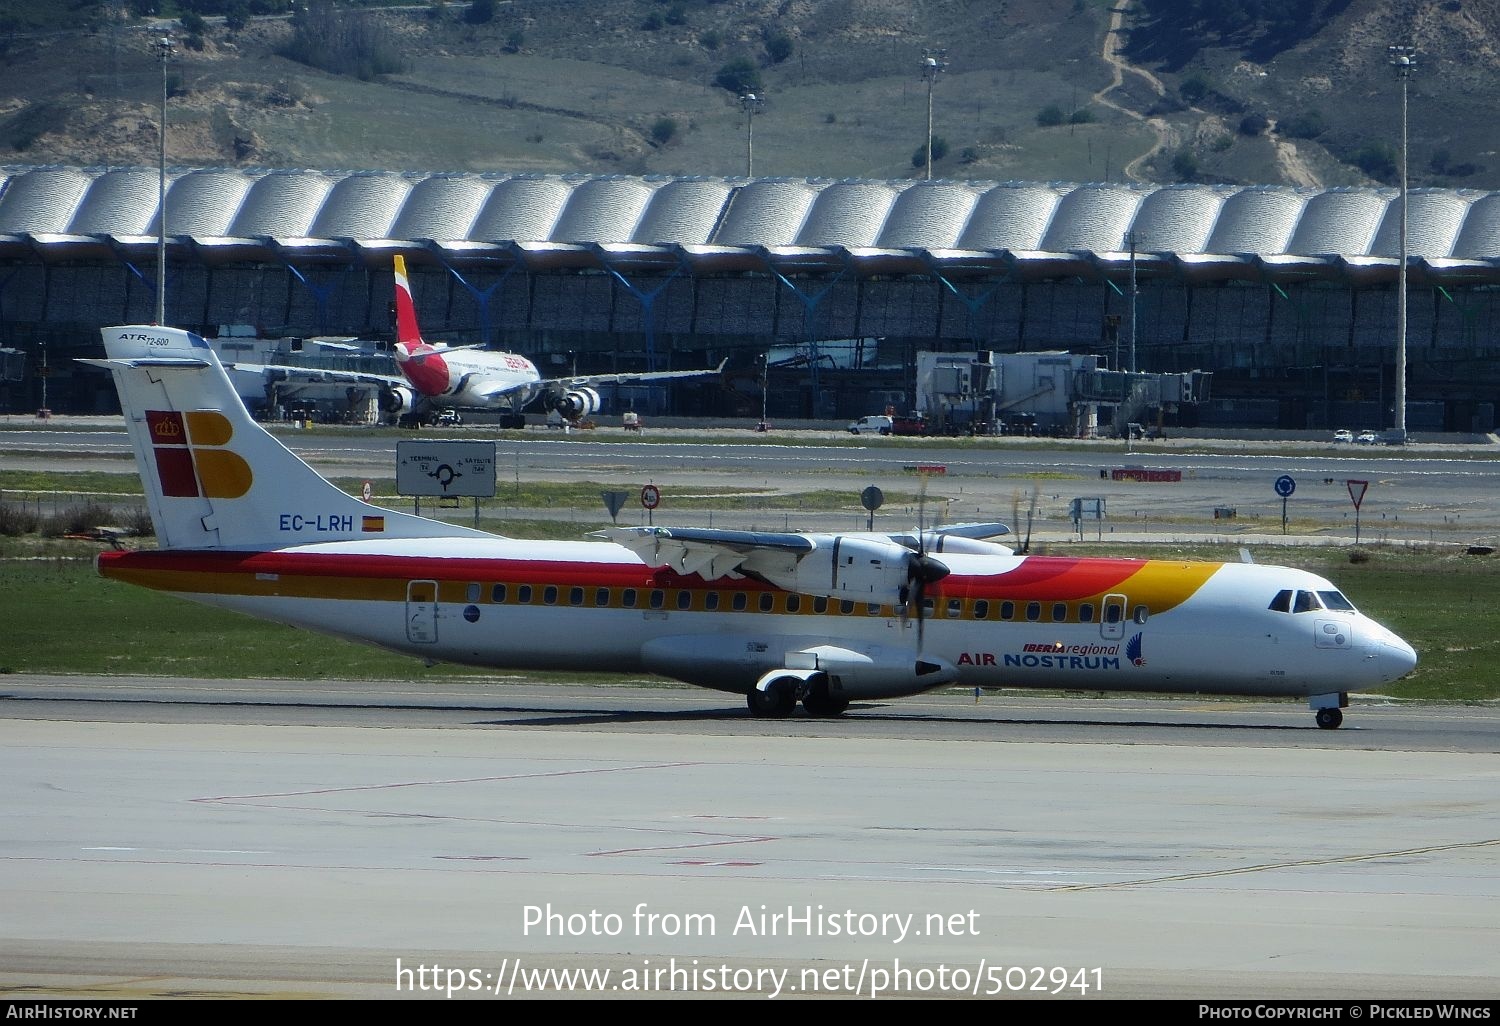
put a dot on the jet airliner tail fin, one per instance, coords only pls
(407, 331)
(213, 477)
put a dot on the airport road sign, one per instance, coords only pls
(650, 496)
(1285, 486)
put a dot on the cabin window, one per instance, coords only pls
(658, 598)
(793, 603)
(1086, 612)
(873, 608)
(1059, 612)
(628, 598)
(928, 605)
(846, 607)
(767, 602)
(601, 597)
(741, 601)
(1114, 612)
(497, 593)
(1007, 610)
(820, 604)
(1282, 603)
(575, 596)
(472, 592)
(684, 600)
(549, 595)
(1033, 611)
(1336, 600)
(523, 594)
(955, 608)
(1141, 614)
(711, 600)
(981, 609)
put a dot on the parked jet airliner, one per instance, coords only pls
(824, 619)
(436, 376)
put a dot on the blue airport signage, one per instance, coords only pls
(1285, 486)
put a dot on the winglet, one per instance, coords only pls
(406, 311)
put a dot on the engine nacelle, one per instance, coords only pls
(577, 403)
(396, 400)
(858, 568)
(967, 546)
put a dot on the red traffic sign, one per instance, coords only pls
(650, 496)
(1357, 491)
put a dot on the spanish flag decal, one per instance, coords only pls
(375, 524)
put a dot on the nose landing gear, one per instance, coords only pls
(1328, 709)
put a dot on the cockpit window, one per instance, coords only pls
(1290, 601)
(1306, 602)
(1336, 600)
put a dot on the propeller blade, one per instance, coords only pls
(921, 570)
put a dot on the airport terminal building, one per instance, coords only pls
(826, 288)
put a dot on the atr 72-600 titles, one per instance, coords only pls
(824, 619)
(438, 377)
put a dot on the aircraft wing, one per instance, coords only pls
(712, 554)
(594, 380)
(856, 567)
(318, 375)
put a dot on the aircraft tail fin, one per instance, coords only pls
(406, 311)
(213, 477)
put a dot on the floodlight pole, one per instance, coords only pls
(1404, 60)
(752, 105)
(933, 64)
(164, 52)
(1133, 294)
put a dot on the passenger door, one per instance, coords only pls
(421, 612)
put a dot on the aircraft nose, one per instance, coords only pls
(1395, 658)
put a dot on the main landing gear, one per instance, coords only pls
(779, 699)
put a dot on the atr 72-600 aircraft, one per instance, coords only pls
(441, 377)
(824, 619)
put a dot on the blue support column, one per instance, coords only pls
(482, 297)
(147, 280)
(973, 304)
(320, 294)
(647, 299)
(810, 301)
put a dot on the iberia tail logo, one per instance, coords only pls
(191, 461)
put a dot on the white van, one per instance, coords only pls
(876, 425)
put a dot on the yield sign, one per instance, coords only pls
(1357, 491)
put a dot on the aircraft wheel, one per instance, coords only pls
(776, 702)
(1330, 719)
(818, 702)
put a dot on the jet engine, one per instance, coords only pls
(577, 403)
(396, 401)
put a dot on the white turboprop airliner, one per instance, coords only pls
(442, 377)
(824, 619)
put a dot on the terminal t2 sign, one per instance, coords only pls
(446, 469)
